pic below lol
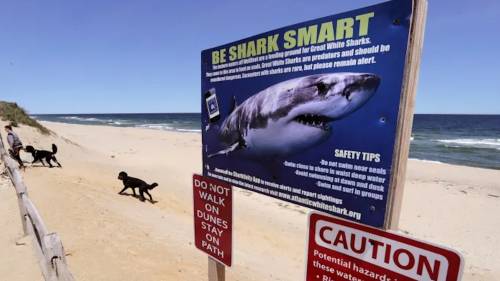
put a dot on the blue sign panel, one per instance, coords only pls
(308, 113)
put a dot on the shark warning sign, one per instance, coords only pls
(311, 113)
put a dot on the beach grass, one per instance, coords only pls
(13, 113)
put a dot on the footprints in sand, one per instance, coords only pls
(283, 205)
(245, 192)
(66, 140)
(291, 207)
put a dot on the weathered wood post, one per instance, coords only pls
(216, 270)
(17, 181)
(54, 251)
(405, 118)
(48, 247)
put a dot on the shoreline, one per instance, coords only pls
(200, 131)
(445, 204)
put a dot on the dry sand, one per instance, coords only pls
(17, 258)
(112, 237)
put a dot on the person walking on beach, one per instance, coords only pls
(15, 145)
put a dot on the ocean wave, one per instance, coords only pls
(155, 126)
(189, 130)
(116, 122)
(82, 119)
(472, 143)
(427, 161)
(166, 127)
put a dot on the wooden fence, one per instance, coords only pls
(48, 246)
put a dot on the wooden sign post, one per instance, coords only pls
(405, 118)
(216, 270)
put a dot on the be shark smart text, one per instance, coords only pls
(340, 29)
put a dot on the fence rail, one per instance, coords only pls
(48, 246)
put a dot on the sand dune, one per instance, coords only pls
(113, 237)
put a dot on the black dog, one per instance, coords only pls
(39, 155)
(130, 182)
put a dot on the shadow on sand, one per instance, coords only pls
(138, 197)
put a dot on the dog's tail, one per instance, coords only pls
(54, 149)
(153, 186)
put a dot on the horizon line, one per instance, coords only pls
(123, 113)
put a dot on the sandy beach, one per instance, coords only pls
(112, 237)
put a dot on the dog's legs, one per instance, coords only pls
(41, 161)
(124, 190)
(141, 194)
(150, 197)
(48, 161)
(55, 160)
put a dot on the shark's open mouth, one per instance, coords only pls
(317, 121)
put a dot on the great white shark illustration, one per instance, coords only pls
(294, 115)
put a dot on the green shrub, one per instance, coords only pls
(16, 115)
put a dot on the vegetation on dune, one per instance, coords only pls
(11, 112)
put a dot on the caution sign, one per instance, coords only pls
(342, 250)
(213, 216)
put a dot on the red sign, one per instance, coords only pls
(213, 217)
(341, 250)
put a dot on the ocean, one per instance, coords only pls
(470, 140)
(182, 122)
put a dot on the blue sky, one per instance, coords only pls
(97, 56)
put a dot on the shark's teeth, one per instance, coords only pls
(311, 120)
